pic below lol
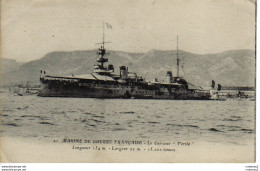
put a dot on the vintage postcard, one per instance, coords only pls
(128, 81)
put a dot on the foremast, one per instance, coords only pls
(100, 68)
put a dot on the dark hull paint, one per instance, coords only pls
(59, 90)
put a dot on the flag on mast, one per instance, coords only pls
(109, 26)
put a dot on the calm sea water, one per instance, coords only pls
(231, 121)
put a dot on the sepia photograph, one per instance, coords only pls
(128, 81)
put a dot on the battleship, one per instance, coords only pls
(103, 82)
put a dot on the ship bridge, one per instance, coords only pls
(100, 68)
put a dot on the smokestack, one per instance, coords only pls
(213, 84)
(169, 76)
(219, 87)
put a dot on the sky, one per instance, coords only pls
(32, 28)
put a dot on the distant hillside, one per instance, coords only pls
(230, 68)
(8, 65)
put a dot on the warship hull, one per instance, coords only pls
(105, 89)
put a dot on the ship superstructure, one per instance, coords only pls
(104, 83)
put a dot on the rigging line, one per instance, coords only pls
(103, 34)
(94, 76)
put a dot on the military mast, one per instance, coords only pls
(102, 51)
(100, 68)
(178, 59)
